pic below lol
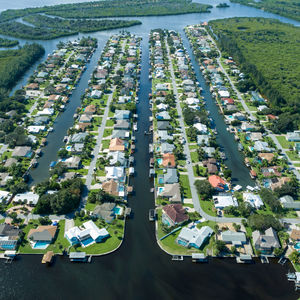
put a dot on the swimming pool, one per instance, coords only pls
(160, 190)
(297, 246)
(41, 245)
(87, 242)
(161, 180)
(159, 161)
(118, 210)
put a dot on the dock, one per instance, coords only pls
(152, 214)
(199, 258)
(264, 259)
(8, 255)
(294, 277)
(244, 259)
(177, 257)
(78, 257)
(48, 257)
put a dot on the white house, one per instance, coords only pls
(201, 127)
(30, 198)
(116, 173)
(4, 196)
(224, 200)
(253, 199)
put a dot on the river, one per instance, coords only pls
(140, 269)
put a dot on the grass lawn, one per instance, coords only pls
(297, 165)
(115, 230)
(193, 147)
(208, 207)
(283, 142)
(105, 144)
(110, 123)
(292, 155)
(107, 132)
(181, 162)
(184, 182)
(25, 246)
(194, 156)
(90, 206)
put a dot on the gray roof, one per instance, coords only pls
(122, 124)
(78, 137)
(8, 230)
(163, 125)
(171, 176)
(172, 191)
(268, 240)
(233, 237)
(167, 148)
(41, 236)
(105, 211)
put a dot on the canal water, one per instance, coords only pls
(140, 269)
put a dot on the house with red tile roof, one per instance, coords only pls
(217, 182)
(174, 214)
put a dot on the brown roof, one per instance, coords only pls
(116, 145)
(90, 109)
(176, 213)
(168, 160)
(110, 187)
(266, 156)
(295, 235)
(211, 168)
(82, 126)
(33, 86)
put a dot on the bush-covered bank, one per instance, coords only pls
(8, 43)
(268, 51)
(119, 8)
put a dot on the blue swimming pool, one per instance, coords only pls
(297, 246)
(41, 245)
(159, 161)
(86, 242)
(160, 190)
(117, 210)
(161, 180)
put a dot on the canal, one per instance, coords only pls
(140, 269)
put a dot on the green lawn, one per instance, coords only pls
(184, 182)
(194, 157)
(60, 241)
(283, 142)
(105, 144)
(208, 207)
(293, 156)
(109, 123)
(107, 132)
(115, 230)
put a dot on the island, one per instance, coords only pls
(223, 5)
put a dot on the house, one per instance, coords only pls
(4, 196)
(77, 148)
(267, 156)
(116, 157)
(116, 145)
(120, 134)
(202, 139)
(116, 173)
(224, 200)
(194, 237)
(253, 199)
(164, 136)
(90, 109)
(122, 124)
(162, 107)
(295, 235)
(35, 129)
(171, 192)
(111, 187)
(105, 211)
(85, 118)
(209, 151)
(22, 151)
(217, 182)
(168, 160)
(9, 236)
(164, 115)
(232, 237)
(166, 148)
(86, 235)
(163, 125)
(171, 176)
(288, 202)
(161, 87)
(44, 233)
(255, 136)
(40, 120)
(202, 128)
(46, 112)
(266, 242)
(260, 146)
(174, 214)
(73, 162)
(122, 114)
(78, 137)
(29, 198)
(96, 94)
(9, 162)
(293, 136)
(211, 168)
(4, 177)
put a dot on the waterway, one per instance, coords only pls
(140, 269)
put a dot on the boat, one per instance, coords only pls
(34, 163)
(9, 255)
(177, 257)
(244, 259)
(135, 127)
(131, 171)
(52, 164)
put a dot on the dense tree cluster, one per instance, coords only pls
(8, 43)
(267, 51)
(64, 201)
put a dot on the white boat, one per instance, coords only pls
(131, 170)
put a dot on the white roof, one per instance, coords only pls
(225, 200)
(253, 199)
(224, 94)
(200, 127)
(45, 112)
(35, 129)
(31, 198)
(114, 172)
(191, 101)
(195, 236)
(4, 195)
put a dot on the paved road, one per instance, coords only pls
(189, 166)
